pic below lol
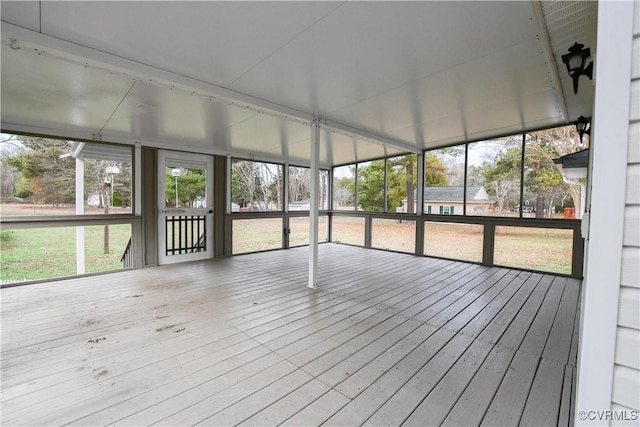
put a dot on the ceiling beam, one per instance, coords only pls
(551, 60)
(370, 136)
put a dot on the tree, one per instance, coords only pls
(435, 173)
(474, 176)
(43, 170)
(10, 146)
(543, 180)
(192, 183)
(43, 173)
(270, 180)
(256, 185)
(323, 190)
(371, 186)
(501, 177)
(402, 182)
(244, 183)
(542, 177)
(97, 181)
(344, 190)
(122, 195)
(299, 180)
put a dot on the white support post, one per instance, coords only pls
(314, 208)
(285, 188)
(419, 210)
(80, 211)
(137, 179)
(419, 199)
(228, 209)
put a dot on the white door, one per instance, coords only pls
(185, 207)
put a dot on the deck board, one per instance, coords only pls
(388, 339)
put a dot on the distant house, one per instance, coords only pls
(94, 200)
(302, 205)
(450, 201)
(526, 208)
(199, 202)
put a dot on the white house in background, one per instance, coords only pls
(302, 205)
(94, 200)
(450, 201)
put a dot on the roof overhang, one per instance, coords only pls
(574, 165)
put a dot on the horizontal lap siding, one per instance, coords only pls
(626, 375)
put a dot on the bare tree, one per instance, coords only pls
(244, 183)
(299, 181)
(10, 146)
(544, 146)
(270, 182)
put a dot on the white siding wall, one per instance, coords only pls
(608, 359)
(626, 373)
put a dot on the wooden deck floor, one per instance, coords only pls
(389, 339)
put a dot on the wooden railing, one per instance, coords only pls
(127, 256)
(186, 234)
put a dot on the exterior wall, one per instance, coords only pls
(439, 206)
(607, 374)
(602, 379)
(472, 208)
(626, 371)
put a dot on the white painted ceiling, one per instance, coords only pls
(246, 78)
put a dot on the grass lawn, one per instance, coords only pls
(28, 209)
(48, 253)
(393, 235)
(543, 249)
(348, 229)
(455, 241)
(534, 248)
(252, 235)
(42, 253)
(300, 230)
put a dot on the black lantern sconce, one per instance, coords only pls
(583, 127)
(576, 62)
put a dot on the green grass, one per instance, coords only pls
(541, 249)
(252, 235)
(48, 253)
(44, 253)
(5, 237)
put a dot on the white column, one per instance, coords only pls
(419, 199)
(314, 208)
(80, 211)
(137, 179)
(228, 209)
